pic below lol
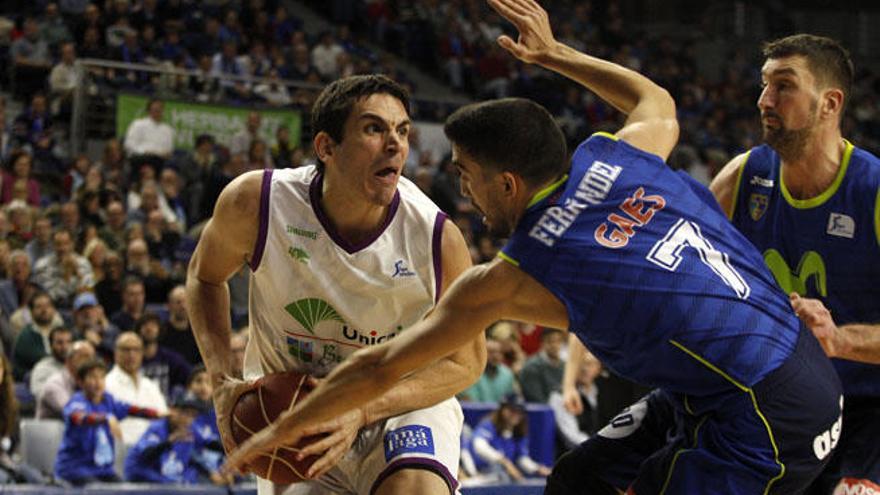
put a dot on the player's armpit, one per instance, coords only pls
(724, 184)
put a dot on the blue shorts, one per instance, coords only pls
(775, 437)
(857, 456)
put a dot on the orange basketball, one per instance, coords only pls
(255, 409)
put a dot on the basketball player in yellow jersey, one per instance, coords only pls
(343, 256)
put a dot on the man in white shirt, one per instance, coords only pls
(60, 339)
(63, 80)
(149, 139)
(127, 383)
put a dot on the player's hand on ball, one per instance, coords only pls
(535, 36)
(816, 316)
(278, 433)
(341, 433)
(225, 396)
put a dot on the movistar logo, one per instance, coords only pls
(298, 254)
(811, 265)
(309, 312)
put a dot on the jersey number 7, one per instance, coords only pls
(667, 252)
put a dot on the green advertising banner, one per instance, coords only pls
(191, 119)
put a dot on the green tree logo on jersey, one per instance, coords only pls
(309, 312)
(811, 265)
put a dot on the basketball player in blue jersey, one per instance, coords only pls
(640, 264)
(808, 199)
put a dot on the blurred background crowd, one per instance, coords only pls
(109, 172)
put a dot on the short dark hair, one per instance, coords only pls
(196, 371)
(39, 293)
(88, 366)
(204, 138)
(147, 318)
(334, 104)
(512, 134)
(547, 332)
(827, 59)
(59, 329)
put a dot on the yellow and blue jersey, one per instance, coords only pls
(827, 247)
(657, 283)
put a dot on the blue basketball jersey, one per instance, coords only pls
(657, 283)
(827, 247)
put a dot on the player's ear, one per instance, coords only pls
(508, 183)
(832, 103)
(324, 146)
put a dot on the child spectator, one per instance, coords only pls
(91, 426)
(164, 454)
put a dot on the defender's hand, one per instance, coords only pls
(341, 432)
(816, 316)
(535, 36)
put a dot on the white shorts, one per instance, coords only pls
(422, 439)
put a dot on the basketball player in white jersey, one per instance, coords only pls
(343, 256)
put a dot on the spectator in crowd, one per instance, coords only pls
(148, 139)
(30, 58)
(151, 272)
(113, 231)
(63, 82)
(53, 29)
(163, 365)
(574, 424)
(18, 183)
(500, 443)
(166, 451)
(496, 382)
(90, 323)
(109, 289)
(177, 333)
(21, 223)
(64, 273)
(95, 252)
(41, 243)
(205, 84)
(258, 155)
(273, 91)
(133, 303)
(59, 388)
(325, 56)
(283, 147)
(71, 220)
(542, 373)
(508, 333)
(60, 340)
(170, 185)
(208, 450)
(32, 343)
(126, 381)
(241, 140)
(91, 428)
(225, 64)
(33, 127)
(11, 471)
(195, 170)
(16, 284)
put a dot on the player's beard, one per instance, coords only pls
(791, 143)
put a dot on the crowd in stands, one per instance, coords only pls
(94, 328)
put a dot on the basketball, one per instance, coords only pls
(257, 408)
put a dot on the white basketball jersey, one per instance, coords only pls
(315, 298)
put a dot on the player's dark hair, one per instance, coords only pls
(510, 135)
(336, 101)
(85, 368)
(827, 59)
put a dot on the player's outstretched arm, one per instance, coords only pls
(224, 246)
(482, 295)
(724, 184)
(854, 341)
(651, 124)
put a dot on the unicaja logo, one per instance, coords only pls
(309, 312)
(371, 337)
